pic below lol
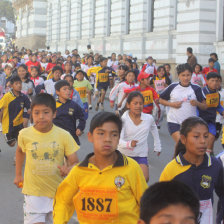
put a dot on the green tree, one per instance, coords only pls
(6, 10)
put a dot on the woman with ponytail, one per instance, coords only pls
(197, 169)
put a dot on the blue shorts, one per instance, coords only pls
(173, 127)
(141, 160)
(212, 128)
(85, 106)
(103, 86)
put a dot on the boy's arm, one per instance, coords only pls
(81, 118)
(155, 134)
(72, 160)
(20, 157)
(63, 207)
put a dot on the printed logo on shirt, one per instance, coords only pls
(206, 181)
(71, 111)
(148, 97)
(212, 100)
(22, 104)
(119, 182)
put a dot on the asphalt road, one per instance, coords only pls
(11, 199)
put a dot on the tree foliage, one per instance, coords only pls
(6, 10)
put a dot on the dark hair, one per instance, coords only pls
(183, 67)
(214, 54)
(190, 50)
(8, 66)
(167, 65)
(185, 128)
(133, 95)
(129, 71)
(163, 194)
(211, 60)
(123, 67)
(80, 71)
(15, 78)
(35, 67)
(44, 99)
(90, 56)
(57, 68)
(24, 67)
(68, 62)
(129, 61)
(197, 65)
(89, 46)
(102, 59)
(212, 75)
(70, 76)
(77, 65)
(61, 83)
(102, 117)
(161, 67)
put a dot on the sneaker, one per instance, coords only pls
(90, 107)
(101, 107)
(97, 107)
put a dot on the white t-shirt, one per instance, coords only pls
(113, 64)
(197, 79)
(219, 118)
(131, 131)
(175, 93)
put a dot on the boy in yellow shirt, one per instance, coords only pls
(107, 186)
(44, 145)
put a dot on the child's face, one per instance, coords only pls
(34, 58)
(213, 83)
(78, 68)
(136, 105)
(17, 86)
(57, 75)
(211, 64)
(42, 117)
(145, 82)
(185, 77)
(173, 214)
(79, 76)
(196, 141)
(121, 73)
(70, 81)
(197, 69)
(68, 67)
(64, 92)
(8, 71)
(105, 139)
(44, 60)
(130, 77)
(90, 60)
(150, 61)
(161, 73)
(103, 63)
(21, 72)
(34, 72)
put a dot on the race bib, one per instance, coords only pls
(212, 100)
(159, 85)
(103, 77)
(148, 97)
(97, 205)
(206, 212)
(82, 92)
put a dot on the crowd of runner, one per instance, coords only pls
(45, 101)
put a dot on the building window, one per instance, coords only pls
(150, 15)
(108, 18)
(127, 16)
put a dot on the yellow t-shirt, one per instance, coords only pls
(44, 152)
(111, 195)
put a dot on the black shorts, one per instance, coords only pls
(173, 127)
(13, 135)
(102, 86)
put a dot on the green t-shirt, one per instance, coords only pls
(81, 87)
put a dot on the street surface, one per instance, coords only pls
(11, 199)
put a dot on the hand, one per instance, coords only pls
(107, 71)
(158, 153)
(117, 113)
(112, 104)
(78, 132)
(119, 105)
(86, 110)
(133, 143)
(64, 170)
(177, 104)
(18, 181)
(194, 103)
(30, 91)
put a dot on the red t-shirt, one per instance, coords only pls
(207, 70)
(50, 66)
(30, 64)
(149, 95)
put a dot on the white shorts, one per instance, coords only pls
(38, 209)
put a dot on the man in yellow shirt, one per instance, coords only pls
(44, 146)
(107, 186)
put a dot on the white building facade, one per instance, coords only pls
(159, 28)
(30, 23)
